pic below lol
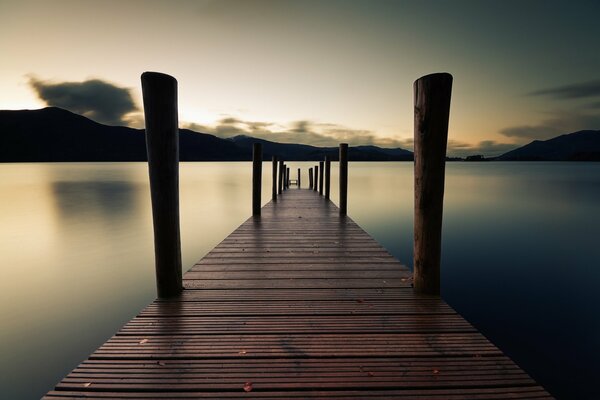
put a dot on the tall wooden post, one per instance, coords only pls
(274, 185)
(287, 177)
(432, 111)
(159, 92)
(321, 164)
(280, 180)
(343, 178)
(310, 178)
(283, 177)
(256, 177)
(327, 177)
(316, 187)
(298, 178)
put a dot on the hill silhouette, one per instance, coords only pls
(576, 146)
(52, 134)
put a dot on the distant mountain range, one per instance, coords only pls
(577, 146)
(53, 134)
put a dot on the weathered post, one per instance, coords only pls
(283, 177)
(321, 164)
(287, 177)
(280, 180)
(310, 178)
(316, 187)
(159, 92)
(274, 188)
(327, 177)
(298, 178)
(256, 177)
(343, 178)
(432, 111)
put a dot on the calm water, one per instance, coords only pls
(521, 255)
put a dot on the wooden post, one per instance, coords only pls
(256, 177)
(327, 177)
(159, 92)
(280, 180)
(321, 164)
(284, 172)
(298, 178)
(432, 111)
(343, 178)
(274, 188)
(287, 177)
(310, 178)
(316, 187)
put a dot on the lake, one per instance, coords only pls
(520, 258)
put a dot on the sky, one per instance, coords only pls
(313, 71)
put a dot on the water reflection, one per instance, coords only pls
(520, 255)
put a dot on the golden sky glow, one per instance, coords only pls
(339, 66)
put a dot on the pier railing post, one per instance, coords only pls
(274, 183)
(343, 178)
(159, 93)
(287, 177)
(280, 179)
(298, 178)
(316, 187)
(432, 110)
(310, 178)
(327, 177)
(321, 164)
(256, 177)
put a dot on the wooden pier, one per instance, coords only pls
(298, 303)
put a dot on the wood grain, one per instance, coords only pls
(302, 304)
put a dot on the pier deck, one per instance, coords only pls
(298, 303)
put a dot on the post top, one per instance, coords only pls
(439, 76)
(155, 77)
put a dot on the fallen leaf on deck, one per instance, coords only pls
(162, 363)
(87, 384)
(143, 341)
(370, 373)
(248, 387)
(436, 371)
(242, 352)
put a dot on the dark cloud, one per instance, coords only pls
(560, 123)
(594, 105)
(574, 91)
(542, 131)
(97, 99)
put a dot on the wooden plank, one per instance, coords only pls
(300, 303)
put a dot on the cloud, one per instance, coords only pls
(561, 123)
(302, 131)
(574, 91)
(99, 100)
(543, 131)
(594, 105)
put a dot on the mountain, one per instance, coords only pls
(303, 152)
(577, 146)
(53, 134)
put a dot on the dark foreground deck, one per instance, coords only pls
(299, 303)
